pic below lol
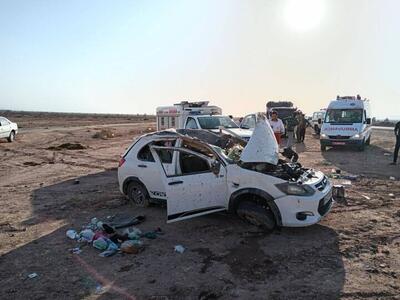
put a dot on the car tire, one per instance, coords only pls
(257, 215)
(138, 194)
(11, 137)
(368, 142)
(362, 146)
(323, 148)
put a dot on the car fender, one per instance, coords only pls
(234, 198)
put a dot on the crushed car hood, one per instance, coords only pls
(262, 146)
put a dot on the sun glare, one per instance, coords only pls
(304, 15)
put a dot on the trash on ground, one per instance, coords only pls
(132, 246)
(106, 237)
(338, 192)
(366, 197)
(33, 275)
(76, 181)
(76, 250)
(387, 154)
(86, 235)
(179, 249)
(133, 233)
(392, 178)
(99, 289)
(72, 234)
(101, 243)
(391, 195)
(346, 182)
(127, 221)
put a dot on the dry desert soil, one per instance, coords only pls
(353, 253)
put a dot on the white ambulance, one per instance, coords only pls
(198, 115)
(347, 122)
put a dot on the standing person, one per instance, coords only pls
(291, 123)
(301, 128)
(277, 126)
(397, 147)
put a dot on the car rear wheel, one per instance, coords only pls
(11, 137)
(257, 215)
(137, 193)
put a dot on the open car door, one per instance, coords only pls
(197, 186)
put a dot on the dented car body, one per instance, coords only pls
(199, 172)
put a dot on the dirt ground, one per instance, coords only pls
(353, 253)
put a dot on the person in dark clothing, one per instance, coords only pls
(301, 128)
(397, 147)
(291, 123)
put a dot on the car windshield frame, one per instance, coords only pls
(205, 122)
(342, 117)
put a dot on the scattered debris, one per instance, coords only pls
(107, 239)
(76, 250)
(387, 154)
(346, 182)
(72, 234)
(67, 146)
(392, 178)
(32, 275)
(391, 195)
(366, 197)
(338, 192)
(179, 249)
(104, 134)
(76, 181)
(132, 246)
(127, 221)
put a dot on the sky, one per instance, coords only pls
(130, 56)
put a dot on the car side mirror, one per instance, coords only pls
(215, 167)
(319, 121)
(368, 121)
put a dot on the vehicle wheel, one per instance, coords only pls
(11, 138)
(361, 147)
(323, 148)
(137, 193)
(256, 215)
(368, 142)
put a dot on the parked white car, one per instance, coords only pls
(199, 172)
(8, 129)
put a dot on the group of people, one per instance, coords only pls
(296, 125)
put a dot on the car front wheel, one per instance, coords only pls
(137, 193)
(11, 137)
(257, 215)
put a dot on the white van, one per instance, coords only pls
(347, 123)
(197, 115)
(317, 120)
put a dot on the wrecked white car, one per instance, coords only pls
(199, 172)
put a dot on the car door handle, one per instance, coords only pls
(142, 166)
(175, 182)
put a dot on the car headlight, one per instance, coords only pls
(356, 136)
(324, 136)
(293, 188)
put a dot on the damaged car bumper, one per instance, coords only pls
(299, 211)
